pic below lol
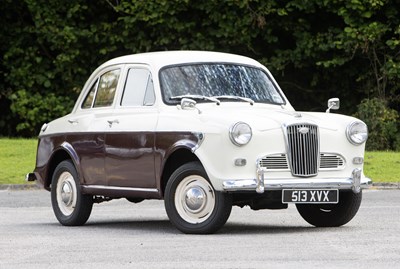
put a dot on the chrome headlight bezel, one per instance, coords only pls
(240, 133)
(357, 132)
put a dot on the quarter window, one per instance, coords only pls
(90, 97)
(139, 90)
(102, 92)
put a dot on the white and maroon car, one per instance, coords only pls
(204, 131)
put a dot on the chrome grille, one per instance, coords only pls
(303, 149)
(331, 161)
(274, 162)
(328, 161)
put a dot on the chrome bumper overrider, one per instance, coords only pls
(260, 184)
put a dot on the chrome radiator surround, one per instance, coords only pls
(302, 147)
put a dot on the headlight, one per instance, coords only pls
(240, 133)
(357, 132)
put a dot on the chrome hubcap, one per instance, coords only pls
(66, 193)
(195, 199)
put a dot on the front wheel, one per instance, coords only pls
(70, 206)
(191, 202)
(335, 215)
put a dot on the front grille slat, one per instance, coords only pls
(328, 161)
(303, 149)
(331, 161)
(274, 162)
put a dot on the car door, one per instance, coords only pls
(129, 139)
(89, 123)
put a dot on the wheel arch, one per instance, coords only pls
(176, 159)
(64, 152)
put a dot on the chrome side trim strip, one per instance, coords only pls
(115, 188)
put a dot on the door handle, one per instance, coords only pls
(111, 122)
(72, 121)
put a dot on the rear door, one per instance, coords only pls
(87, 125)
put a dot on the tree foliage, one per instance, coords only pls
(316, 49)
(382, 122)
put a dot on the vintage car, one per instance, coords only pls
(204, 131)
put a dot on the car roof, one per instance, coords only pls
(163, 58)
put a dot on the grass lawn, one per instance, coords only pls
(17, 158)
(382, 166)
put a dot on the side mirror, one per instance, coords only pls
(333, 103)
(189, 104)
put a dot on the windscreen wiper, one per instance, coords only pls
(234, 97)
(196, 97)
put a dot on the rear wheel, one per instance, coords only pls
(70, 206)
(335, 215)
(191, 202)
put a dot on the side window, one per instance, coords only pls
(106, 89)
(138, 89)
(90, 97)
(149, 97)
(103, 90)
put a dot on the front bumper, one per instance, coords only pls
(30, 177)
(260, 184)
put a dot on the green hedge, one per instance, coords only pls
(49, 48)
(383, 124)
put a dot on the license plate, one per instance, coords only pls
(310, 196)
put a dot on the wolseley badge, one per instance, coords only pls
(303, 130)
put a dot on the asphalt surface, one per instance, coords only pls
(120, 234)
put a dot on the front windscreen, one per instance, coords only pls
(218, 80)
